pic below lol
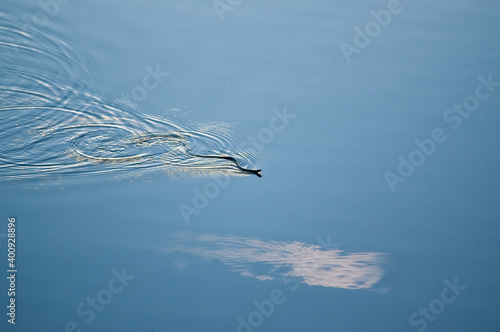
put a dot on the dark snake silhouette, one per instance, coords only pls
(246, 170)
(181, 139)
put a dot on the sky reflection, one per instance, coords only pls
(278, 260)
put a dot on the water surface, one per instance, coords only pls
(167, 99)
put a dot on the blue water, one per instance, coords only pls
(130, 134)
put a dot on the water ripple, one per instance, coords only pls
(54, 126)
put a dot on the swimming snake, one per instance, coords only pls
(181, 139)
(253, 171)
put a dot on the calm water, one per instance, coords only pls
(131, 134)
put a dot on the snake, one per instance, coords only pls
(236, 163)
(181, 139)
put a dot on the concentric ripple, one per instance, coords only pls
(53, 126)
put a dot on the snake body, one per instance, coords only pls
(180, 138)
(246, 170)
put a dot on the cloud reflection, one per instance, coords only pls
(278, 260)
